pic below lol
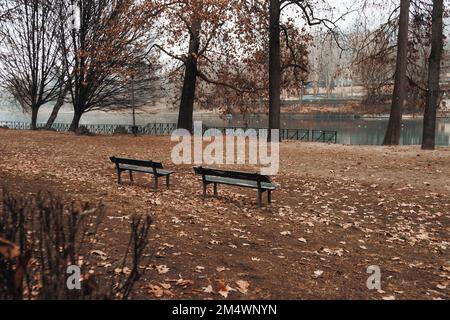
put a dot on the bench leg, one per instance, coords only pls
(269, 196)
(156, 182)
(119, 177)
(215, 189)
(131, 176)
(260, 199)
(204, 190)
(168, 181)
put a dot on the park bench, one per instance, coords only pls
(131, 165)
(239, 179)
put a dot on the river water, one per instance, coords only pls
(352, 131)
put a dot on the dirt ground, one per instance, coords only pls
(340, 209)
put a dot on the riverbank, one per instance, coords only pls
(162, 113)
(340, 209)
(354, 108)
(351, 129)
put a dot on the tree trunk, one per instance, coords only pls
(34, 114)
(57, 107)
(75, 121)
(186, 113)
(434, 70)
(316, 84)
(274, 68)
(394, 129)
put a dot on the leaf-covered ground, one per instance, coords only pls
(340, 210)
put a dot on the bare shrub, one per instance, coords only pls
(40, 237)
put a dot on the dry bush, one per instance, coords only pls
(40, 237)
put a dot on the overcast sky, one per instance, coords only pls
(349, 12)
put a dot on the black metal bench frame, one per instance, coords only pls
(263, 183)
(142, 166)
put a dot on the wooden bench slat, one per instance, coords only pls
(144, 169)
(240, 182)
(237, 178)
(144, 166)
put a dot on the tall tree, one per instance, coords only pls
(61, 99)
(249, 73)
(303, 8)
(394, 128)
(376, 53)
(185, 117)
(274, 66)
(434, 71)
(201, 30)
(224, 48)
(111, 46)
(30, 53)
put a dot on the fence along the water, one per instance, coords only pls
(162, 129)
(327, 136)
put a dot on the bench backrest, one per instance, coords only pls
(135, 162)
(232, 174)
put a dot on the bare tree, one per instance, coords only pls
(305, 8)
(63, 90)
(29, 55)
(393, 132)
(248, 74)
(203, 30)
(111, 47)
(274, 66)
(376, 55)
(434, 70)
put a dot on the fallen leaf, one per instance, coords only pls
(224, 289)
(184, 283)
(199, 269)
(126, 270)
(318, 273)
(122, 271)
(445, 268)
(156, 291)
(162, 269)
(221, 269)
(208, 289)
(333, 252)
(242, 286)
(166, 286)
(101, 254)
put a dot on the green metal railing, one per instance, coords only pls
(163, 129)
